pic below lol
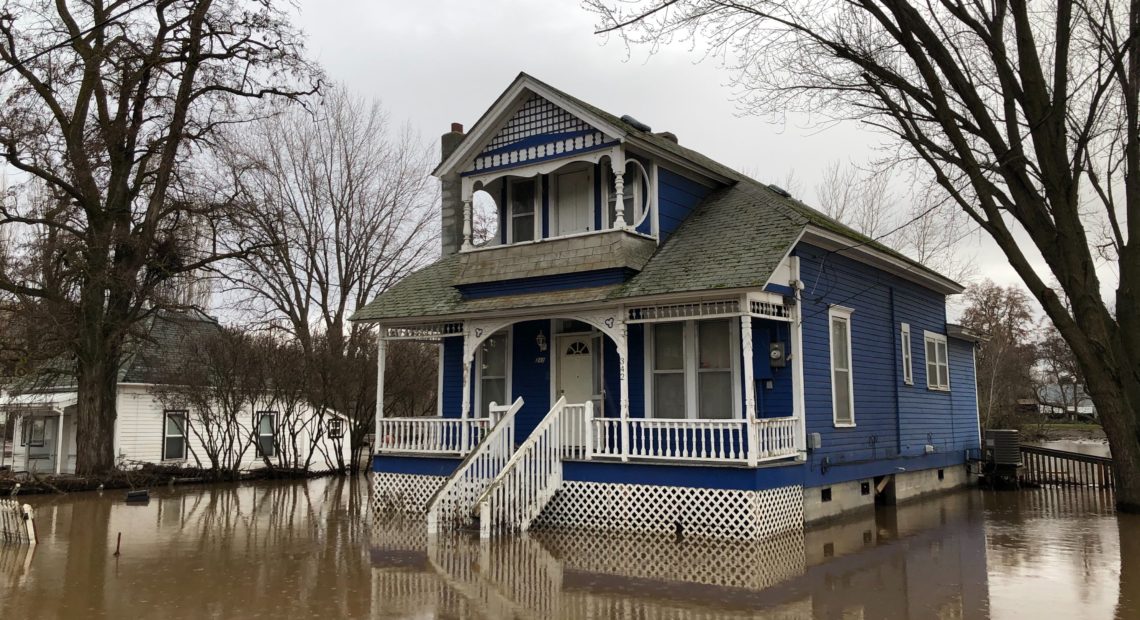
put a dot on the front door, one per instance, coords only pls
(572, 202)
(577, 369)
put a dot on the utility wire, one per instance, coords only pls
(73, 39)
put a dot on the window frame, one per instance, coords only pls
(166, 415)
(339, 425)
(907, 354)
(938, 339)
(272, 415)
(690, 370)
(843, 314)
(31, 422)
(477, 411)
(535, 212)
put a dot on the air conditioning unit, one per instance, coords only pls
(1004, 446)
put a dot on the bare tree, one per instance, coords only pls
(340, 206)
(1062, 386)
(1006, 355)
(107, 104)
(863, 201)
(1027, 117)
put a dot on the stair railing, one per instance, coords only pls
(528, 481)
(453, 503)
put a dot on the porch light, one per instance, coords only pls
(540, 340)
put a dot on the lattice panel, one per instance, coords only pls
(538, 130)
(731, 563)
(402, 492)
(708, 513)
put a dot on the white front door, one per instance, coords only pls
(572, 200)
(576, 372)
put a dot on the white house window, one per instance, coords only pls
(520, 210)
(336, 428)
(266, 421)
(35, 430)
(174, 436)
(908, 364)
(694, 368)
(632, 194)
(492, 363)
(937, 367)
(842, 385)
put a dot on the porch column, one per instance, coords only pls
(623, 376)
(381, 364)
(797, 329)
(60, 449)
(749, 391)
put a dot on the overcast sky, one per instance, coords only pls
(434, 62)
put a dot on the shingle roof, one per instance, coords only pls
(735, 238)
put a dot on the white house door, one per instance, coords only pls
(572, 202)
(576, 372)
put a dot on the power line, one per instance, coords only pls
(73, 39)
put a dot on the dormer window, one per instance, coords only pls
(521, 210)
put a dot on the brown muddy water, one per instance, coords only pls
(312, 550)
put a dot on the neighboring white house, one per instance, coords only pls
(146, 430)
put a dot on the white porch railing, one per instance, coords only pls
(454, 501)
(724, 441)
(528, 481)
(430, 435)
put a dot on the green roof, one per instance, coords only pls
(735, 238)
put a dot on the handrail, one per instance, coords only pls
(454, 499)
(1061, 467)
(529, 479)
(429, 435)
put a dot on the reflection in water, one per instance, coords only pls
(301, 550)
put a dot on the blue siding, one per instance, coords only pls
(612, 379)
(741, 478)
(417, 465)
(963, 393)
(452, 377)
(545, 206)
(777, 401)
(677, 197)
(581, 279)
(530, 375)
(894, 421)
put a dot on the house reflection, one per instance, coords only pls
(923, 560)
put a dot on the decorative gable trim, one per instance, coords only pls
(513, 100)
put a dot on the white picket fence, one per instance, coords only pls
(453, 502)
(17, 524)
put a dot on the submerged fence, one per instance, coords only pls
(1060, 467)
(16, 523)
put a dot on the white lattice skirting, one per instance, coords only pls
(710, 513)
(403, 492)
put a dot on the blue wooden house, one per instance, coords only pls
(644, 339)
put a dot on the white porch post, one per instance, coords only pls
(623, 376)
(465, 408)
(749, 390)
(797, 326)
(617, 164)
(381, 363)
(60, 449)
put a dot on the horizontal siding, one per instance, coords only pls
(452, 377)
(530, 374)
(677, 197)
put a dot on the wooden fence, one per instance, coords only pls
(1060, 467)
(16, 523)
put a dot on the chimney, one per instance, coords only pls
(451, 198)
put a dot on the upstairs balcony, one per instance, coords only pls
(594, 212)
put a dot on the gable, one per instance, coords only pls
(539, 129)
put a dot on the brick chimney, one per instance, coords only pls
(451, 203)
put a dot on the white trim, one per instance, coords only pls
(937, 339)
(797, 337)
(907, 354)
(843, 314)
(439, 382)
(689, 369)
(508, 369)
(185, 415)
(881, 260)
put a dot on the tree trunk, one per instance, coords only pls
(97, 380)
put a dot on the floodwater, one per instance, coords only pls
(312, 550)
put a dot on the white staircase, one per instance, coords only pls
(452, 505)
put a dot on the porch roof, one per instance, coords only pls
(38, 401)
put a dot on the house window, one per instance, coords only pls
(694, 368)
(35, 430)
(492, 363)
(520, 211)
(632, 195)
(266, 421)
(842, 397)
(937, 367)
(908, 365)
(336, 428)
(174, 436)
